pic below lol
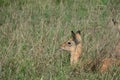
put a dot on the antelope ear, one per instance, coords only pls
(114, 21)
(78, 32)
(74, 38)
(73, 34)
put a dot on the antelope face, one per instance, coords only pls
(72, 43)
(68, 45)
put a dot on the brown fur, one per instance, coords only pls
(107, 62)
(73, 45)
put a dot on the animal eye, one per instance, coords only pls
(69, 42)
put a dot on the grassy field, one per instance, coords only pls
(31, 32)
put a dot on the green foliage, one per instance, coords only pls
(105, 2)
(1, 2)
(31, 32)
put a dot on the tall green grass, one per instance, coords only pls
(31, 32)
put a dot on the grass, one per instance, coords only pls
(31, 32)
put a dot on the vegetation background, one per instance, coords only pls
(31, 32)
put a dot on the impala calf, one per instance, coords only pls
(74, 45)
